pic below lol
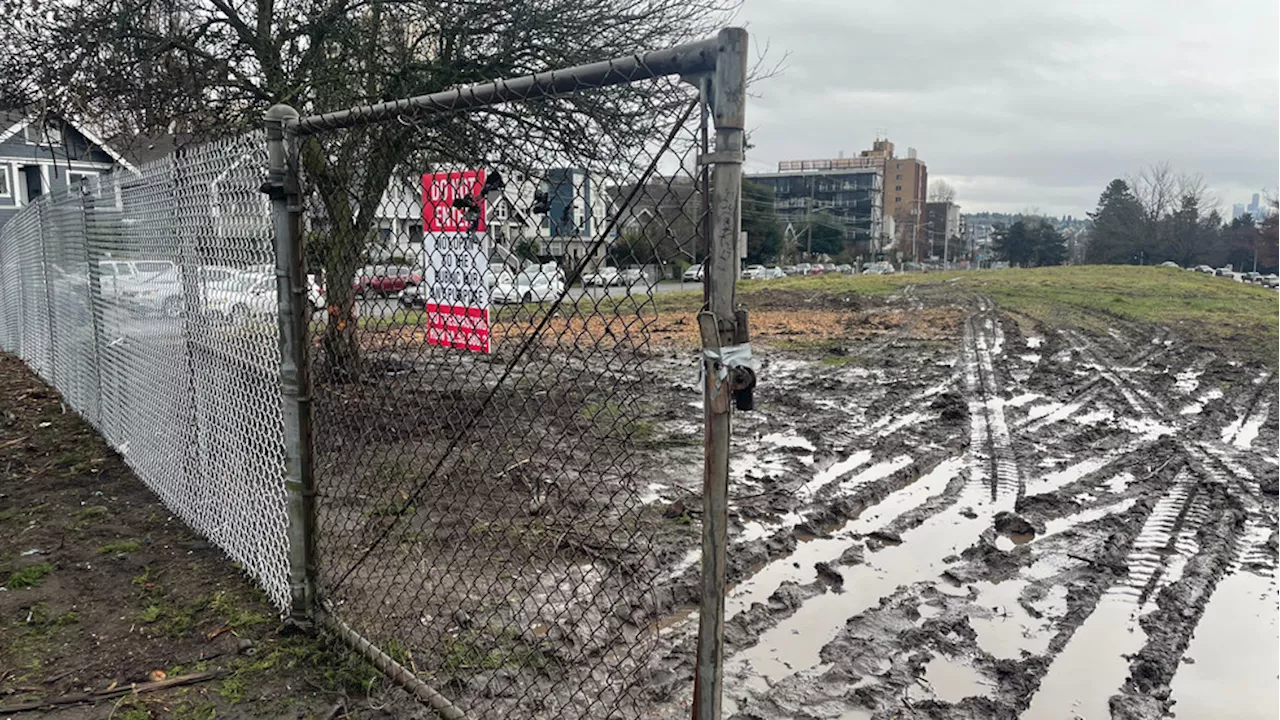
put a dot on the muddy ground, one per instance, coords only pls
(961, 513)
(939, 509)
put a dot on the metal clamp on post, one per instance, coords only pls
(732, 367)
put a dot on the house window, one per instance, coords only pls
(899, 166)
(415, 234)
(898, 199)
(898, 188)
(4, 181)
(75, 178)
(899, 177)
(48, 134)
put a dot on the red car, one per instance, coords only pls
(385, 279)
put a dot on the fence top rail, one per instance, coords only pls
(687, 59)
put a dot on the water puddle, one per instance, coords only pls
(952, 681)
(1044, 410)
(788, 440)
(1023, 399)
(1092, 667)
(1249, 428)
(1009, 629)
(1013, 540)
(1231, 658)
(1093, 417)
(831, 473)
(1147, 429)
(798, 566)
(1062, 478)
(1034, 342)
(1118, 483)
(1057, 525)
(795, 643)
(1032, 358)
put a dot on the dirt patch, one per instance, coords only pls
(100, 585)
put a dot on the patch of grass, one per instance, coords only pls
(232, 612)
(83, 517)
(29, 576)
(832, 343)
(478, 650)
(232, 689)
(131, 709)
(120, 547)
(203, 710)
(150, 614)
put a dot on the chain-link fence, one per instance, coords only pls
(406, 387)
(136, 296)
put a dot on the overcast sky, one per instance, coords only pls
(1022, 104)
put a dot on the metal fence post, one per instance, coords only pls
(295, 382)
(721, 328)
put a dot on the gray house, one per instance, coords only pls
(44, 153)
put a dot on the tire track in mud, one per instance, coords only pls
(1157, 559)
(1092, 665)
(990, 444)
(993, 482)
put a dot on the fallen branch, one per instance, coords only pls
(98, 695)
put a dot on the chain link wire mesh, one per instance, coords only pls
(148, 301)
(481, 388)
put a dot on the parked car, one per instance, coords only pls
(1270, 281)
(773, 273)
(879, 268)
(1224, 271)
(1171, 264)
(631, 277)
(241, 297)
(844, 269)
(602, 277)
(386, 280)
(790, 270)
(530, 285)
(753, 272)
(692, 274)
(1204, 269)
(816, 269)
(1251, 277)
(831, 268)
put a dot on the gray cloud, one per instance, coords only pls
(1024, 104)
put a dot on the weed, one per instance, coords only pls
(204, 710)
(120, 547)
(476, 650)
(84, 516)
(131, 709)
(7, 515)
(232, 612)
(151, 614)
(179, 623)
(232, 689)
(29, 576)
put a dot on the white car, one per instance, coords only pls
(753, 272)
(532, 285)
(693, 274)
(772, 273)
(242, 297)
(603, 277)
(879, 268)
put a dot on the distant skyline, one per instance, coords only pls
(1025, 106)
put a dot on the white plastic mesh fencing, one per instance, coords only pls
(149, 302)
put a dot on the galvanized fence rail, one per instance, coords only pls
(403, 381)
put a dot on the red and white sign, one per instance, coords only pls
(440, 190)
(456, 249)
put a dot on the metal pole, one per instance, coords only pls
(720, 327)
(295, 382)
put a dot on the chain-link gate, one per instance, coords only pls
(405, 387)
(489, 259)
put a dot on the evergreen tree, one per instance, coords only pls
(1117, 231)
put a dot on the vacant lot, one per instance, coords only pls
(1005, 494)
(1037, 494)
